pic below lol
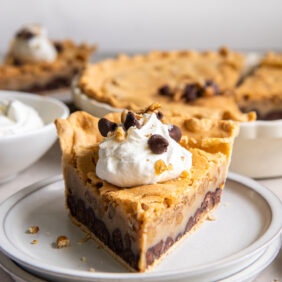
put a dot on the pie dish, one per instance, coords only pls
(184, 82)
(140, 225)
(16, 74)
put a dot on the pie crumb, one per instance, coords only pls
(34, 242)
(62, 242)
(83, 259)
(211, 217)
(226, 204)
(33, 230)
(91, 269)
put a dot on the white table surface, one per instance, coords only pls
(50, 165)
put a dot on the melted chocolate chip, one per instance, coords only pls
(99, 185)
(158, 144)
(24, 34)
(160, 115)
(175, 133)
(105, 126)
(191, 92)
(210, 83)
(131, 120)
(59, 47)
(165, 90)
(17, 62)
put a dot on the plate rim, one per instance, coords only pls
(267, 237)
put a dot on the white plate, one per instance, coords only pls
(247, 274)
(237, 238)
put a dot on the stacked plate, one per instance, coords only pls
(236, 246)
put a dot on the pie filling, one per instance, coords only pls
(137, 244)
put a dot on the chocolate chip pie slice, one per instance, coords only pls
(196, 83)
(35, 64)
(139, 183)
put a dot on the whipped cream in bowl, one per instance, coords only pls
(17, 117)
(141, 151)
(31, 45)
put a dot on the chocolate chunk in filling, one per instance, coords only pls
(158, 144)
(105, 126)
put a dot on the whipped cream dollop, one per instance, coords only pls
(131, 162)
(31, 45)
(17, 117)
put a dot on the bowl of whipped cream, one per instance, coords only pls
(27, 130)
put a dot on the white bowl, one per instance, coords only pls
(257, 151)
(19, 151)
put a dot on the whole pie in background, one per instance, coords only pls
(34, 63)
(199, 84)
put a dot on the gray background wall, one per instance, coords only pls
(133, 25)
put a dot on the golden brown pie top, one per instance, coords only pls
(265, 83)
(134, 82)
(209, 141)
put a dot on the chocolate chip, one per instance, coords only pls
(189, 224)
(127, 241)
(165, 90)
(105, 126)
(157, 249)
(81, 211)
(160, 115)
(175, 132)
(90, 218)
(101, 231)
(71, 205)
(59, 47)
(158, 144)
(179, 236)
(129, 257)
(131, 120)
(210, 83)
(149, 256)
(17, 62)
(24, 34)
(117, 240)
(99, 185)
(168, 243)
(191, 92)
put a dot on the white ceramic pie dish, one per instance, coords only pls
(19, 151)
(257, 150)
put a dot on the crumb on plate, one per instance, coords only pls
(62, 242)
(33, 230)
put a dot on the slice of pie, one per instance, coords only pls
(177, 80)
(262, 91)
(35, 64)
(140, 224)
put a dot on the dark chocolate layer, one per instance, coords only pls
(121, 245)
